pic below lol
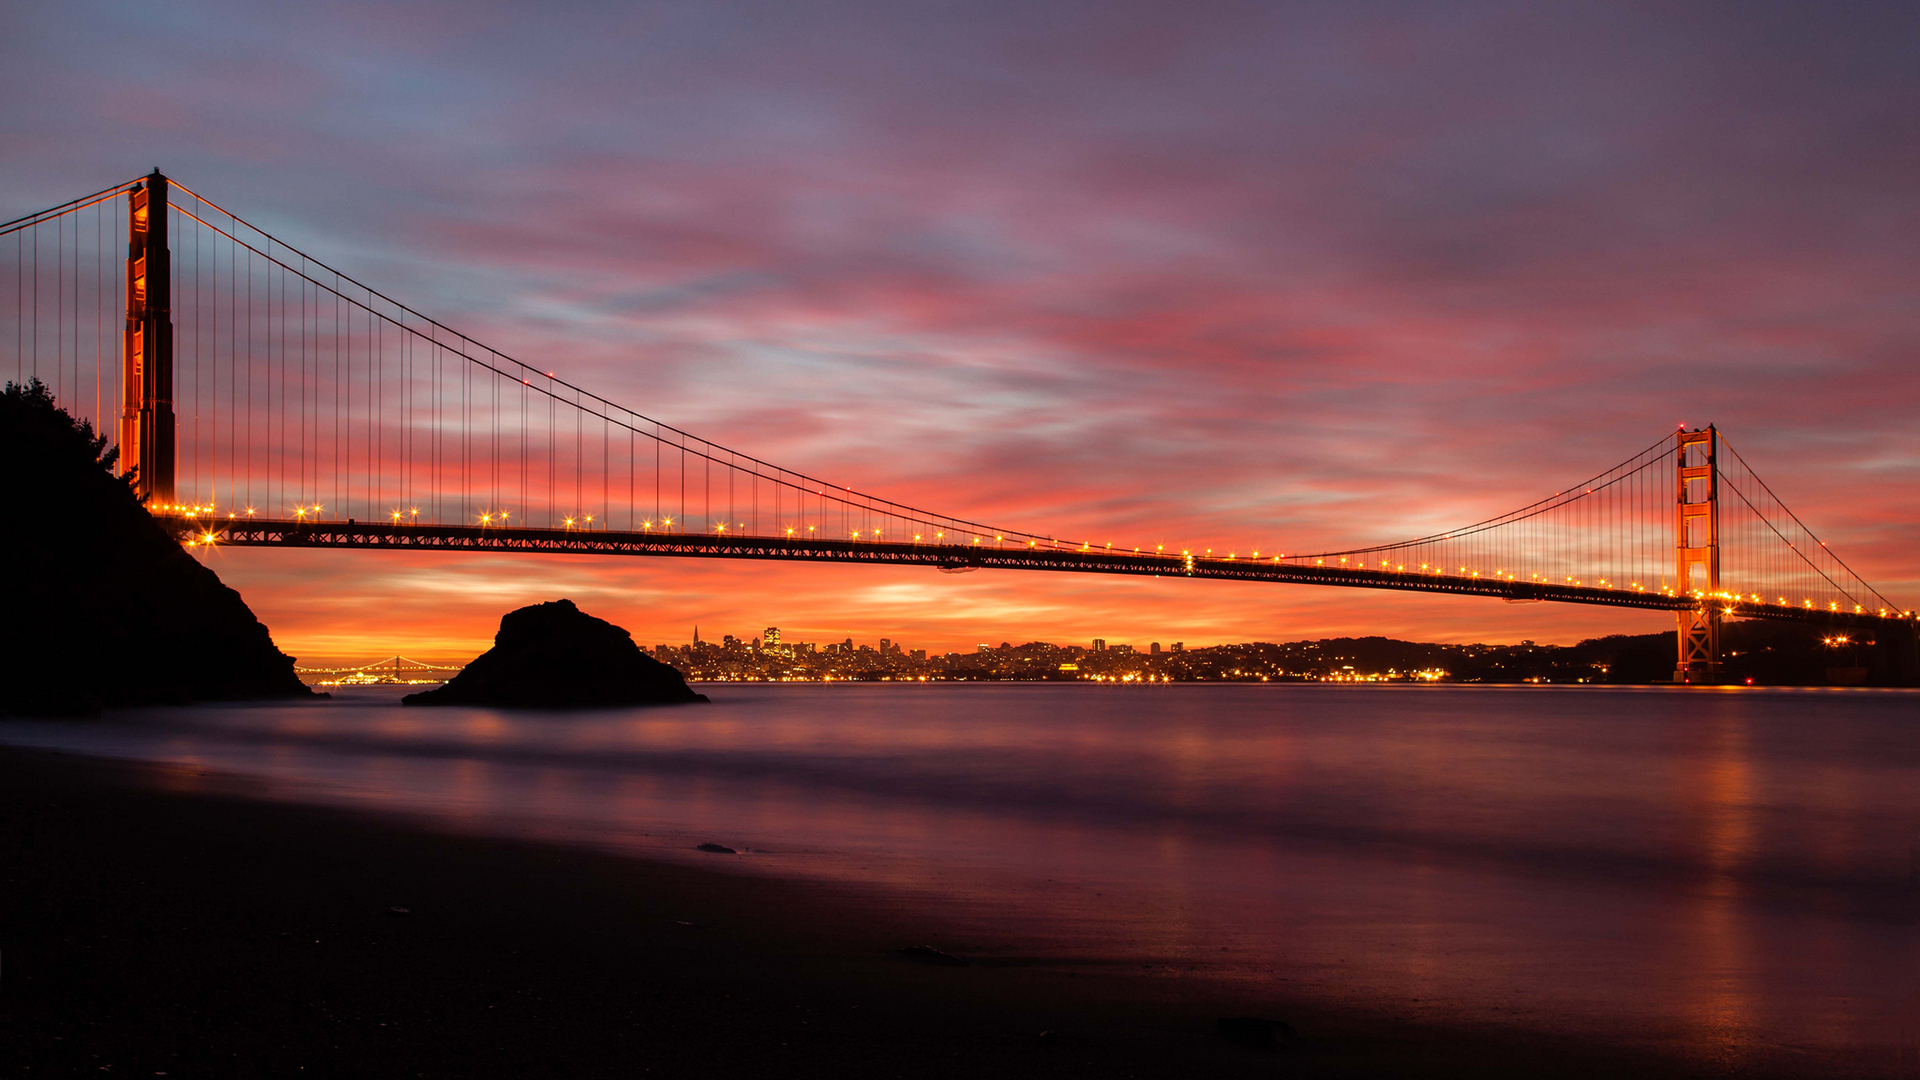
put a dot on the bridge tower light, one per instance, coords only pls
(146, 351)
(1697, 552)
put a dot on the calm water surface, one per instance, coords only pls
(1733, 870)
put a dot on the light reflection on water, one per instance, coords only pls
(1717, 869)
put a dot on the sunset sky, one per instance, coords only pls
(1285, 275)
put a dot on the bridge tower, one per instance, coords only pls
(1697, 553)
(146, 414)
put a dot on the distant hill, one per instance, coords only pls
(101, 607)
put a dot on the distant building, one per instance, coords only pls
(983, 647)
(772, 637)
(1154, 650)
(1179, 646)
(919, 655)
(1099, 644)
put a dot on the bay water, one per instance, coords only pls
(1732, 870)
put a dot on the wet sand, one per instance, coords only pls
(156, 920)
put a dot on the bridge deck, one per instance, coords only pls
(257, 532)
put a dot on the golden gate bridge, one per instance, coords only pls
(264, 398)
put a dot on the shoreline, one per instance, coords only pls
(159, 920)
(1341, 683)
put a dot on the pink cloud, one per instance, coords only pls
(1301, 278)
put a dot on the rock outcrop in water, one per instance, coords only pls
(555, 656)
(101, 606)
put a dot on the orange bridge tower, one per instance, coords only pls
(1697, 553)
(146, 414)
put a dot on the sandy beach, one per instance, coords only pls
(157, 921)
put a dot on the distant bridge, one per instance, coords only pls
(397, 669)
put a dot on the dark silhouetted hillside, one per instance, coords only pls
(101, 606)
